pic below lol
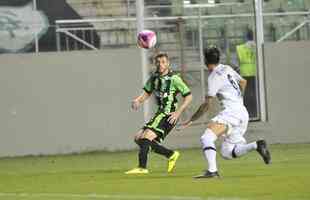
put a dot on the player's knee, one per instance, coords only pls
(204, 137)
(138, 136)
(208, 137)
(226, 154)
(143, 142)
(137, 141)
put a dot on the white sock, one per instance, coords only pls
(207, 140)
(241, 149)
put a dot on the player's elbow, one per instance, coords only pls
(146, 95)
(243, 81)
(189, 98)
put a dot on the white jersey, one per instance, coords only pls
(223, 82)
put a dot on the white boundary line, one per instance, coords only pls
(119, 197)
(101, 196)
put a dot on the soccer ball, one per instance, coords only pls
(146, 39)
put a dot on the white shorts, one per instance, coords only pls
(237, 123)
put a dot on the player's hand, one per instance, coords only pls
(185, 125)
(135, 104)
(173, 118)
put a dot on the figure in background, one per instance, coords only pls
(246, 54)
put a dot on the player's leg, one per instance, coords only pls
(242, 148)
(260, 146)
(138, 136)
(263, 151)
(149, 140)
(161, 127)
(161, 150)
(226, 150)
(171, 155)
(143, 139)
(235, 145)
(235, 150)
(213, 131)
(145, 143)
(156, 146)
(230, 150)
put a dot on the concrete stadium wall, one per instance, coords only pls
(80, 101)
(68, 102)
(287, 67)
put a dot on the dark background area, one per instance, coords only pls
(54, 10)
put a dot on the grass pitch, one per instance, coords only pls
(100, 175)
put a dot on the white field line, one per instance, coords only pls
(225, 198)
(102, 196)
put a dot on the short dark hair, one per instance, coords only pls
(160, 55)
(212, 55)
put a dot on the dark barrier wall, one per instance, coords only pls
(19, 22)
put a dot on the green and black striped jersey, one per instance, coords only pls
(166, 88)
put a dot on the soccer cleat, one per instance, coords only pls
(263, 151)
(208, 174)
(172, 161)
(137, 170)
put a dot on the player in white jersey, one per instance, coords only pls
(231, 123)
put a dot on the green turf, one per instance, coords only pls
(101, 173)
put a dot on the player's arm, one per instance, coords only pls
(242, 84)
(144, 96)
(175, 115)
(214, 84)
(203, 108)
(147, 92)
(187, 99)
(136, 102)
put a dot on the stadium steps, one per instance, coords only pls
(100, 8)
(123, 34)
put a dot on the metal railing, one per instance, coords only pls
(127, 26)
(295, 29)
(197, 24)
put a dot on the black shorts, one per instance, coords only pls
(159, 125)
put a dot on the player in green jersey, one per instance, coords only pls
(165, 85)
